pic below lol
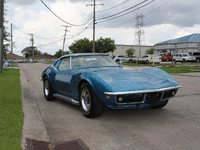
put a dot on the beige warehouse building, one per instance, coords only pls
(121, 49)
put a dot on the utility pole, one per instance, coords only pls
(64, 39)
(139, 32)
(94, 22)
(11, 45)
(32, 42)
(1, 33)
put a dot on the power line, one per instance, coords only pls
(113, 6)
(72, 36)
(126, 13)
(61, 18)
(50, 43)
(122, 11)
(144, 14)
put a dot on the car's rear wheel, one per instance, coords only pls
(163, 104)
(90, 104)
(47, 89)
(198, 60)
(167, 59)
(183, 61)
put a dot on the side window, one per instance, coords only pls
(64, 64)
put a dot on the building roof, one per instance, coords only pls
(43, 57)
(8, 56)
(189, 38)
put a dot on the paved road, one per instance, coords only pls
(176, 127)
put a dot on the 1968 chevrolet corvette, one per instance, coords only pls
(95, 80)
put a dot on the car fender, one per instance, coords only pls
(98, 85)
(160, 73)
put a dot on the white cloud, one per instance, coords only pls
(43, 24)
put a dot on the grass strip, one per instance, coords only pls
(11, 114)
(180, 69)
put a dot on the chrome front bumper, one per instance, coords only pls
(148, 95)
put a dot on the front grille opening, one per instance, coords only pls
(169, 94)
(153, 98)
(130, 98)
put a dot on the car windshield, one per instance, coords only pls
(184, 55)
(92, 61)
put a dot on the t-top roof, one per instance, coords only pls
(189, 38)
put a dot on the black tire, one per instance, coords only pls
(183, 61)
(147, 62)
(163, 104)
(167, 59)
(47, 89)
(197, 60)
(129, 61)
(90, 104)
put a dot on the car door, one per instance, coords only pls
(63, 77)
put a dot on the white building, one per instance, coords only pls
(184, 44)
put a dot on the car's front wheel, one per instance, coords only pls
(163, 104)
(90, 104)
(47, 89)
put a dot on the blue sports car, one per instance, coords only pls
(95, 80)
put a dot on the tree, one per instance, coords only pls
(28, 51)
(59, 53)
(81, 46)
(149, 51)
(85, 46)
(130, 52)
(6, 39)
(104, 45)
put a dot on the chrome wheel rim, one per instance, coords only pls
(85, 100)
(46, 87)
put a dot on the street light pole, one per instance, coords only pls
(64, 39)
(94, 22)
(32, 42)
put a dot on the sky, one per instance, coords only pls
(116, 19)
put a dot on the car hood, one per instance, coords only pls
(120, 80)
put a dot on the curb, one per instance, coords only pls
(33, 123)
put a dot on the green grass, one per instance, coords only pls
(134, 64)
(11, 114)
(180, 69)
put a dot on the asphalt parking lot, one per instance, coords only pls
(177, 126)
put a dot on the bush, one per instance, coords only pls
(139, 61)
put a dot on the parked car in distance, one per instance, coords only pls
(183, 57)
(149, 58)
(196, 55)
(94, 81)
(167, 57)
(159, 55)
(122, 58)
